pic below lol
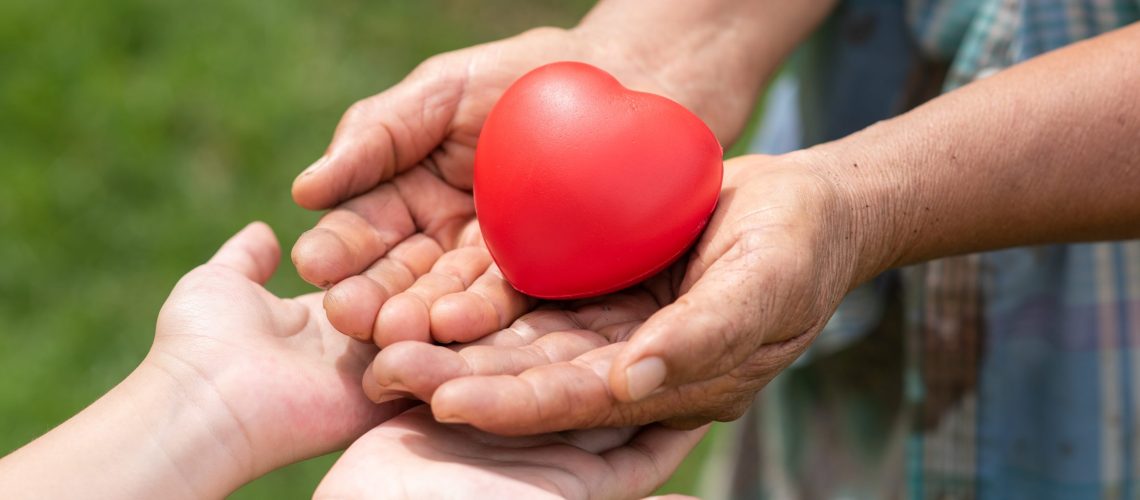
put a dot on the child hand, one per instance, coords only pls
(272, 371)
(238, 382)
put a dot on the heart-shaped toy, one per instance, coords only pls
(584, 187)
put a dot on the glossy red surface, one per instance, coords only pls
(583, 187)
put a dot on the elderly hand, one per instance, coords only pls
(399, 168)
(404, 157)
(687, 348)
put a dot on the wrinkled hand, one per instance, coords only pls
(403, 161)
(269, 372)
(684, 347)
(411, 455)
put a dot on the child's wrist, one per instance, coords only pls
(195, 440)
(151, 436)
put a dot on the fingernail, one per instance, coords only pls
(644, 377)
(315, 166)
(390, 397)
(393, 385)
(381, 377)
(450, 419)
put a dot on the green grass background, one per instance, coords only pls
(137, 135)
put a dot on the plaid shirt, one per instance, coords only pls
(1010, 374)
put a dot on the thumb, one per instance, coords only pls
(253, 252)
(711, 329)
(381, 136)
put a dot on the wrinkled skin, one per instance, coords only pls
(403, 160)
(770, 269)
(714, 321)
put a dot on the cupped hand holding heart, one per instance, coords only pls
(692, 344)
(404, 258)
(581, 187)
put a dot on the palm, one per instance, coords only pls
(468, 83)
(405, 159)
(553, 368)
(267, 360)
(409, 455)
(553, 332)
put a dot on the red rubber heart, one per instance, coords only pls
(584, 187)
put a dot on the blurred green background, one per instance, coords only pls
(137, 135)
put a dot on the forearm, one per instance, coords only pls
(143, 439)
(1048, 151)
(712, 55)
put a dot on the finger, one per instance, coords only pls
(350, 238)
(599, 440)
(612, 317)
(650, 459)
(417, 369)
(381, 136)
(354, 235)
(489, 304)
(530, 327)
(353, 304)
(575, 395)
(547, 398)
(253, 252)
(721, 321)
(405, 316)
(388, 382)
(617, 315)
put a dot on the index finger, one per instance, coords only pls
(382, 136)
(351, 237)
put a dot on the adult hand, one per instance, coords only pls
(793, 233)
(775, 261)
(403, 160)
(400, 163)
(412, 455)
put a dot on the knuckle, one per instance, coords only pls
(436, 76)
(758, 369)
(544, 32)
(750, 241)
(358, 111)
(431, 65)
(686, 423)
(732, 405)
(723, 336)
(734, 410)
(620, 416)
